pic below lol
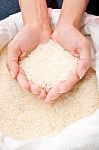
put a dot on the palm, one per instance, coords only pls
(72, 40)
(25, 42)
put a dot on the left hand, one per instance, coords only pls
(19, 48)
(71, 39)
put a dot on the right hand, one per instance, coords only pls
(25, 42)
(78, 45)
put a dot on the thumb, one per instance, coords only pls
(84, 61)
(13, 54)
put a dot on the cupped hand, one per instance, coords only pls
(72, 40)
(25, 42)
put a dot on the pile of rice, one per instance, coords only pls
(24, 116)
(48, 64)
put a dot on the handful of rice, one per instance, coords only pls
(48, 64)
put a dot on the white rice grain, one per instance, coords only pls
(48, 64)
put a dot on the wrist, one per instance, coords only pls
(62, 30)
(32, 27)
(72, 12)
(69, 22)
(37, 29)
(38, 26)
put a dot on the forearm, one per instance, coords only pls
(72, 11)
(35, 12)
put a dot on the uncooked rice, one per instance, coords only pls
(24, 116)
(48, 64)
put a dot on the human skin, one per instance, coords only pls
(67, 34)
(36, 30)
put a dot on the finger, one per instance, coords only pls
(74, 53)
(13, 68)
(12, 59)
(52, 95)
(82, 68)
(48, 87)
(34, 88)
(62, 87)
(22, 80)
(67, 85)
(23, 55)
(84, 61)
(42, 94)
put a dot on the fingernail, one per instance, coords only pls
(12, 75)
(36, 93)
(25, 90)
(62, 92)
(82, 73)
(53, 98)
(48, 101)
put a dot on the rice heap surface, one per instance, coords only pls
(24, 116)
(48, 64)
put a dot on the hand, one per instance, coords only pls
(25, 42)
(72, 40)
